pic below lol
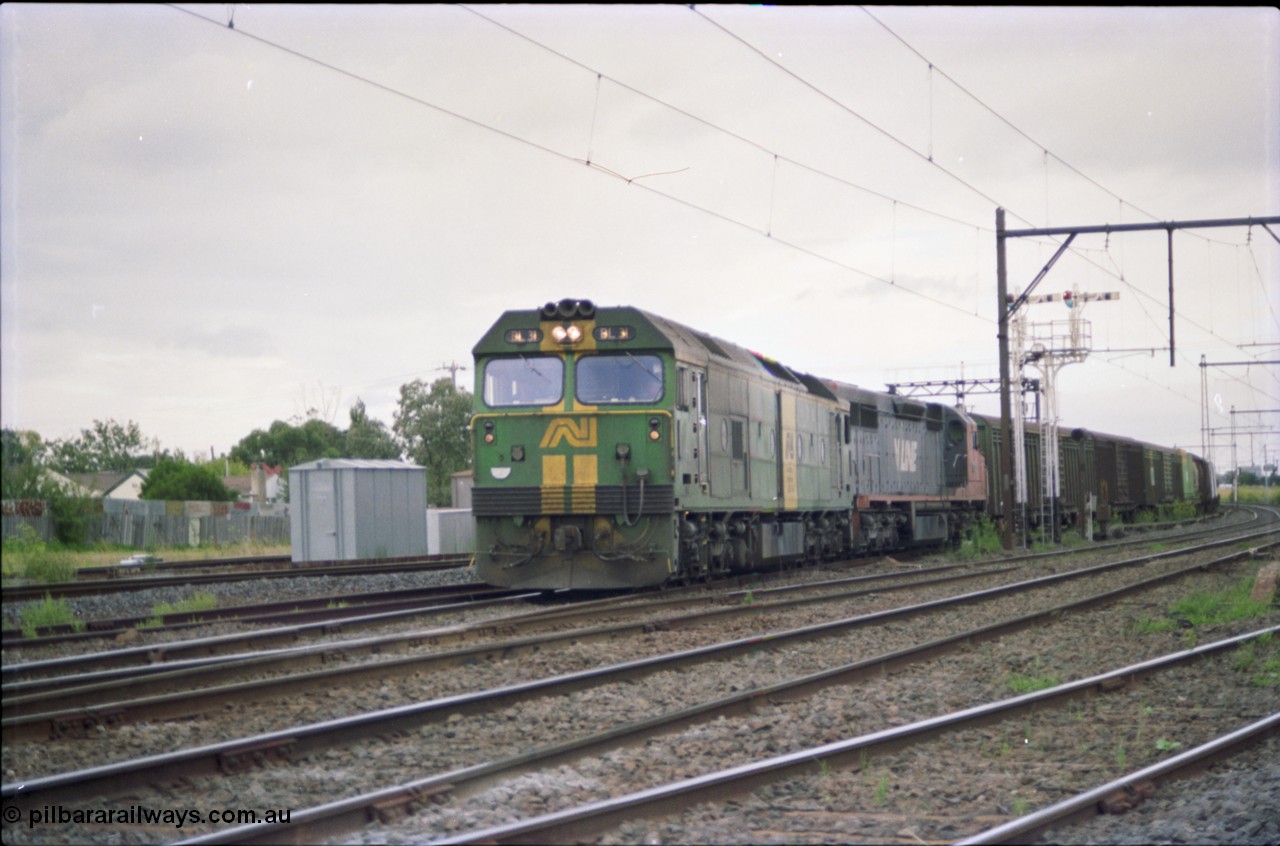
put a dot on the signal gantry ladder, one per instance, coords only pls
(1048, 347)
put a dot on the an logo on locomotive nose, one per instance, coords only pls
(576, 433)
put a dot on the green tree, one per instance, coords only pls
(367, 438)
(288, 445)
(107, 446)
(180, 480)
(24, 475)
(431, 426)
(21, 458)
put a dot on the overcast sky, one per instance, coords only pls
(209, 227)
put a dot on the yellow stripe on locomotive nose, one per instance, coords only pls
(561, 497)
(553, 484)
(582, 496)
(584, 470)
(553, 471)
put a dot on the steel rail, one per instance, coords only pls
(237, 755)
(80, 708)
(268, 562)
(284, 611)
(150, 658)
(123, 570)
(335, 819)
(160, 657)
(190, 691)
(23, 593)
(150, 655)
(1086, 805)
(567, 825)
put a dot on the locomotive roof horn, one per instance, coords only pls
(569, 309)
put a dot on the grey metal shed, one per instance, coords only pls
(346, 508)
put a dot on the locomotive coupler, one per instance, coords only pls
(568, 539)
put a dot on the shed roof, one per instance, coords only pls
(356, 464)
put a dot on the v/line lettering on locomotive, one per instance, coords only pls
(615, 448)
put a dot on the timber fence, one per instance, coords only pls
(144, 524)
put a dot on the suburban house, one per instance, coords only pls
(261, 486)
(110, 485)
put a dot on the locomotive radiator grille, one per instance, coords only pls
(601, 499)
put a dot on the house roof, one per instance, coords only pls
(141, 474)
(99, 484)
(70, 484)
(356, 464)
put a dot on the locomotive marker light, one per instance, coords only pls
(570, 334)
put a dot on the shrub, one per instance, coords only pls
(982, 538)
(45, 614)
(47, 565)
(1234, 603)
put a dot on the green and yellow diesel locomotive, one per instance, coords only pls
(615, 448)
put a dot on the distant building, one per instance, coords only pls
(109, 485)
(261, 486)
(460, 485)
(345, 508)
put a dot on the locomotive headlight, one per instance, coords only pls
(570, 334)
(488, 431)
(654, 434)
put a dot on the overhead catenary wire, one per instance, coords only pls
(630, 180)
(767, 231)
(929, 156)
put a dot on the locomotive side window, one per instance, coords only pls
(528, 380)
(603, 379)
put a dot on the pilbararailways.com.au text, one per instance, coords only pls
(139, 815)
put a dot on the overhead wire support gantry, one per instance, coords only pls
(1006, 309)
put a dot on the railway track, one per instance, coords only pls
(93, 587)
(412, 721)
(594, 819)
(78, 702)
(323, 608)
